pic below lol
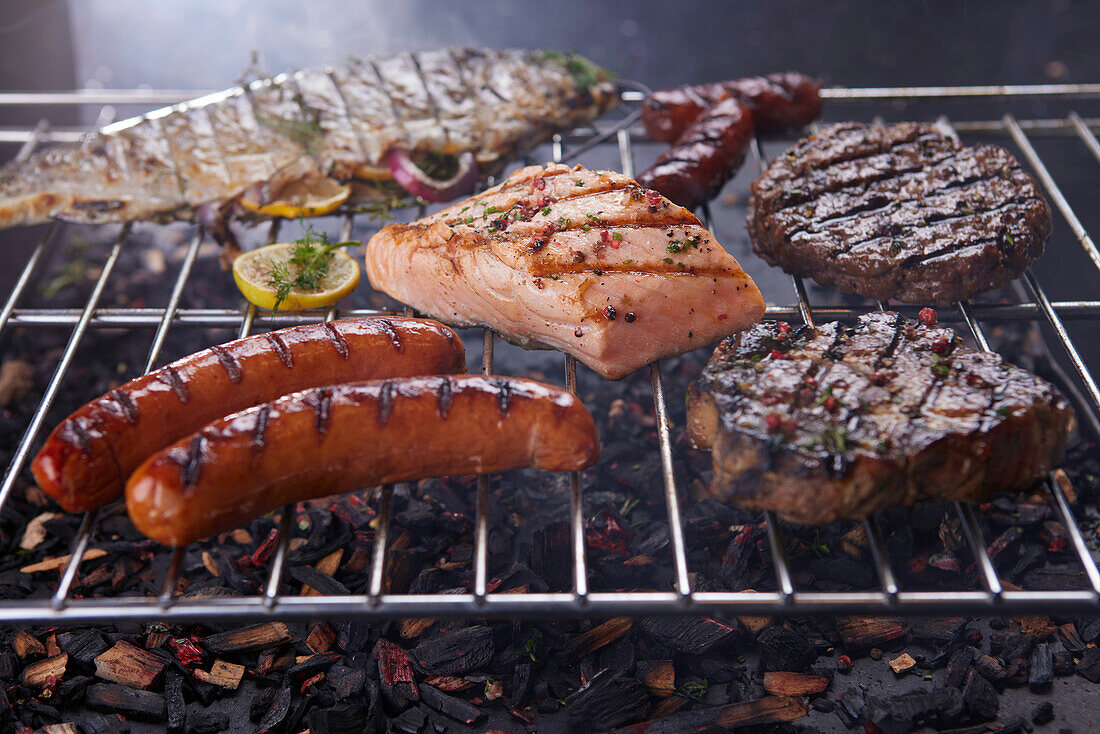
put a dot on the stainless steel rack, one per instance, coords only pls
(1034, 306)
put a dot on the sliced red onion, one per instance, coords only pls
(409, 176)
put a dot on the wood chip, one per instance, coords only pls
(854, 541)
(248, 639)
(1037, 625)
(754, 623)
(27, 645)
(414, 627)
(902, 663)
(597, 637)
(658, 676)
(787, 683)
(863, 632)
(42, 673)
(35, 531)
(51, 646)
(129, 665)
(226, 675)
(65, 728)
(210, 564)
(242, 536)
(321, 638)
(327, 566)
(1065, 485)
(58, 563)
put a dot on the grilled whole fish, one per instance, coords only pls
(583, 261)
(338, 121)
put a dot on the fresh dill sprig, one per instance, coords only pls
(310, 258)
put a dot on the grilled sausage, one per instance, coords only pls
(776, 100)
(704, 157)
(86, 460)
(345, 437)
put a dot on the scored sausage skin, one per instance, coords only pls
(341, 438)
(694, 170)
(85, 462)
(786, 99)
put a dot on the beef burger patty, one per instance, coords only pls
(898, 211)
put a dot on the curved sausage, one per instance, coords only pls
(694, 169)
(776, 100)
(345, 437)
(86, 460)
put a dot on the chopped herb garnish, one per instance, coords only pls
(835, 439)
(310, 258)
(667, 261)
(628, 262)
(545, 210)
(617, 236)
(674, 246)
(587, 227)
(825, 395)
(580, 182)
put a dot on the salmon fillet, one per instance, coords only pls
(584, 261)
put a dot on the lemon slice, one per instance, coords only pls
(252, 273)
(309, 197)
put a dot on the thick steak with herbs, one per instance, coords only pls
(898, 211)
(840, 421)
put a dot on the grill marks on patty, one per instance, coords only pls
(839, 421)
(901, 211)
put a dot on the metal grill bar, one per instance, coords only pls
(378, 604)
(481, 512)
(118, 318)
(1086, 135)
(1056, 194)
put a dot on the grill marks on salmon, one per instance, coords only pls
(579, 260)
(336, 121)
(840, 421)
(898, 211)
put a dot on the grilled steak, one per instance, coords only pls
(898, 211)
(838, 421)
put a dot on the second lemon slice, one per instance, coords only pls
(260, 273)
(309, 197)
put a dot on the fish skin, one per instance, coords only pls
(458, 267)
(331, 121)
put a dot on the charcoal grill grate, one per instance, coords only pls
(1034, 306)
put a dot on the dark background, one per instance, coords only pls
(206, 43)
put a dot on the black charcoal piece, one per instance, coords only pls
(451, 706)
(115, 698)
(691, 635)
(980, 696)
(455, 652)
(1041, 668)
(783, 648)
